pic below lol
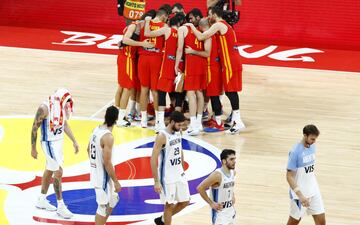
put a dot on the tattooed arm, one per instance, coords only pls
(41, 114)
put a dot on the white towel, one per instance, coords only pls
(57, 103)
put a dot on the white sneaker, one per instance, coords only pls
(63, 212)
(45, 204)
(200, 127)
(192, 131)
(236, 128)
(123, 123)
(143, 124)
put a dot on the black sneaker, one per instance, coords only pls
(158, 221)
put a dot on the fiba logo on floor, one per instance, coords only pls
(138, 201)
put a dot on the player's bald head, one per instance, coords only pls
(204, 23)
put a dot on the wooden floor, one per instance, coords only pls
(275, 105)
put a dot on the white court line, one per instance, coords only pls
(103, 108)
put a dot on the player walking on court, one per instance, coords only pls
(167, 165)
(304, 191)
(102, 172)
(52, 116)
(221, 183)
(230, 62)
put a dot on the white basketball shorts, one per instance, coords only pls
(316, 207)
(53, 153)
(223, 217)
(175, 192)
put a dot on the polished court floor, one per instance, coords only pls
(275, 105)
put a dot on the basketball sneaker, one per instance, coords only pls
(63, 211)
(137, 116)
(158, 221)
(45, 204)
(123, 123)
(205, 114)
(191, 131)
(143, 123)
(214, 127)
(130, 116)
(229, 118)
(236, 128)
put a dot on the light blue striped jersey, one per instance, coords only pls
(302, 160)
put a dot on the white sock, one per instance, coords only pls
(236, 116)
(161, 115)
(156, 116)
(42, 196)
(122, 113)
(143, 116)
(218, 120)
(199, 119)
(192, 121)
(137, 107)
(131, 106)
(60, 202)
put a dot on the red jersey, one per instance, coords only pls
(168, 62)
(157, 41)
(214, 59)
(229, 54)
(194, 64)
(128, 50)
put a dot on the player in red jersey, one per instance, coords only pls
(126, 61)
(149, 65)
(167, 75)
(195, 71)
(230, 62)
(214, 83)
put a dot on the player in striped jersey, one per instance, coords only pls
(304, 191)
(221, 183)
(167, 166)
(52, 116)
(102, 171)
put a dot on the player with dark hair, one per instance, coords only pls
(304, 191)
(167, 74)
(221, 183)
(230, 62)
(167, 166)
(195, 72)
(149, 65)
(102, 171)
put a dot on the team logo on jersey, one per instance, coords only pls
(139, 204)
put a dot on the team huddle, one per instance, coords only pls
(182, 55)
(165, 51)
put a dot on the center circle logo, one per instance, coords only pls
(139, 204)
